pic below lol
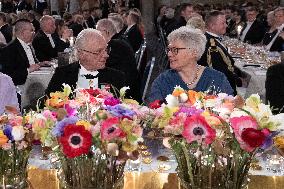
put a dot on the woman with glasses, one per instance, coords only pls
(186, 46)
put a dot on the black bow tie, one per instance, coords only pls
(89, 76)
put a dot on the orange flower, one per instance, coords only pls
(192, 96)
(177, 92)
(3, 138)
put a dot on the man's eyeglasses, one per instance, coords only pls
(175, 50)
(107, 50)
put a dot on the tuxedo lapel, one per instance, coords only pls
(72, 74)
(22, 52)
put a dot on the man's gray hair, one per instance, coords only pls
(107, 25)
(117, 20)
(85, 35)
(192, 38)
(45, 19)
(20, 26)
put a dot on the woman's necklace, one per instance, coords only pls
(195, 78)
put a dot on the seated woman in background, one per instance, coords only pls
(8, 94)
(186, 45)
(274, 86)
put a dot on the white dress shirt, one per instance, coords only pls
(87, 83)
(50, 40)
(245, 31)
(28, 51)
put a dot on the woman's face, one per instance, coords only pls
(180, 56)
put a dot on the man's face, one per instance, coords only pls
(86, 15)
(279, 17)
(187, 12)
(219, 26)
(28, 33)
(93, 57)
(50, 26)
(251, 15)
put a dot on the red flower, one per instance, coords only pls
(110, 129)
(76, 140)
(253, 137)
(196, 129)
(155, 104)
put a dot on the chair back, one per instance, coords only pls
(139, 54)
(147, 76)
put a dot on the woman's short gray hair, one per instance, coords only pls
(192, 38)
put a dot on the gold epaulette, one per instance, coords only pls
(214, 48)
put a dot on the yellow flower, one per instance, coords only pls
(86, 124)
(3, 138)
(279, 141)
(130, 101)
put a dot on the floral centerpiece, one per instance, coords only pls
(214, 137)
(92, 135)
(15, 146)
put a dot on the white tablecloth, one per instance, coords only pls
(256, 76)
(35, 86)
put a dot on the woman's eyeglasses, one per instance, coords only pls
(175, 50)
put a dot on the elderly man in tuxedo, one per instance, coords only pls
(90, 70)
(44, 41)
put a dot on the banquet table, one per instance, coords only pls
(42, 176)
(35, 85)
(256, 76)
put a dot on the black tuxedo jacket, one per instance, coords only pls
(91, 22)
(69, 75)
(76, 28)
(255, 33)
(15, 62)
(7, 31)
(275, 87)
(214, 58)
(134, 37)
(175, 24)
(277, 44)
(122, 58)
(43, 48)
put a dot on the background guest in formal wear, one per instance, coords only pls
(8, 94)
(182, 14)
(96, 14)
(90, 71)
(238, 17)
(5, 28)
(34, 21)
(216, 54)
(62, 35)
(77, 25)
(253, 30)
(274, 86)
(44, 42)
(121, 57)
(271, 31)
(196, 22)
(186, 45)
(18, 57)
(275, 39)
(119, 25)
(133, 33)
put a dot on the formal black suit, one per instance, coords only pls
(15, 62)
(69, 75)
(278, 42)
(175, 24)
(43, 48)
(122, 58)
(255, 33)
(23, 5)
(60, 44)
(36, 25)
(76, 28)
(134, 37)
(92, 22)
(275, 87)
(212, 57)
(7, 32)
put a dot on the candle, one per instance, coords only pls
(239, 29)
(0, 6)
(71, 41)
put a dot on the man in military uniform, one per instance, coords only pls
(216, 54)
